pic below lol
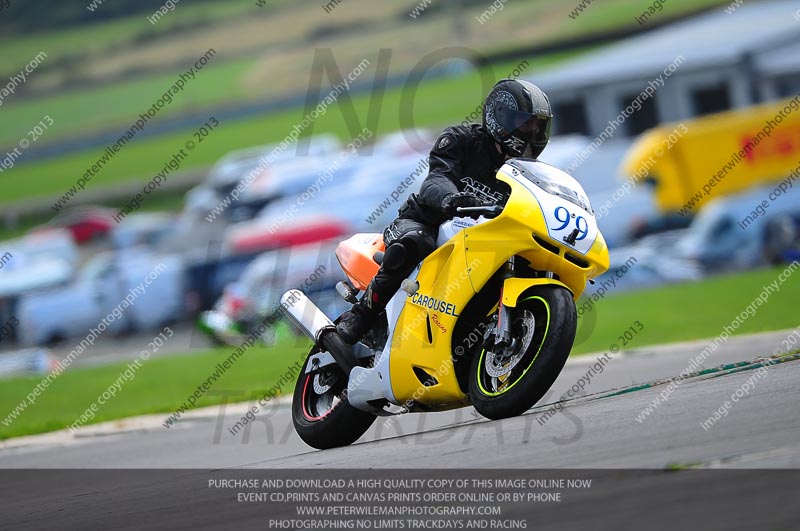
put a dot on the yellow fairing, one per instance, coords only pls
(520, 220)
(423, 332)
(513, 288)
(454, 273)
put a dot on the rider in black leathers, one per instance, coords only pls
(463, 165)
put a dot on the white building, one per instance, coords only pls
(729, 61)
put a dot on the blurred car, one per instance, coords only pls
(280, 179)
(724, 235)
(25, 274)
(207, 276)
(641, 227)
(256, 294)
(235, 166)
(146, 229)
(192, 236)
(782, 239)
(57, 314)
(617, 213)
(37, 261)
(261, 235)
(305, 176)
(201, 200)
(364, 202)
(88, 223)
(647, 263)
(45, 244)
(336, 203)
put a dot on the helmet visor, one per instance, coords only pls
(532, 127)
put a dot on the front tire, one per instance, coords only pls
(508, 383)
(322, 416)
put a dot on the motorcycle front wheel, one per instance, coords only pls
(509, 382)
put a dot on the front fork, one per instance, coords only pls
(502, 336)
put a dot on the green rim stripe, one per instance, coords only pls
(483, 351)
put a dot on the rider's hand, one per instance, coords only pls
(451, 202)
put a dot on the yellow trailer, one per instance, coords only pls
(692, 162)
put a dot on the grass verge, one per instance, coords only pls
(689, 311)
(160, 385)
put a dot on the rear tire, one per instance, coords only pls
(551, 311)
(322, 416)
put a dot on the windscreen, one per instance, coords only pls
(552, 180)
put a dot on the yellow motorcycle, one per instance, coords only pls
(487, 319)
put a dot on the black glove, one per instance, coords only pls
(451, 202)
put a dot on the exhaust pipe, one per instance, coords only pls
(304, 314)
(318, 327)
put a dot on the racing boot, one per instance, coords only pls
(359, 319)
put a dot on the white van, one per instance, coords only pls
(155, 283)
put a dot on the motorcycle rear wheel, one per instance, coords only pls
(321, 413)
(508, 383)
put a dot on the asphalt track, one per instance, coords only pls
(595, 435)
(761, 429)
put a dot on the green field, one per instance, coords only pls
(115, 107)
(125, 64)
(438, 102)
(111, 35)
(668, 314)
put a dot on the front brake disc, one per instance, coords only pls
(501, 363)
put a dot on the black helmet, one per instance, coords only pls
(517, 114)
